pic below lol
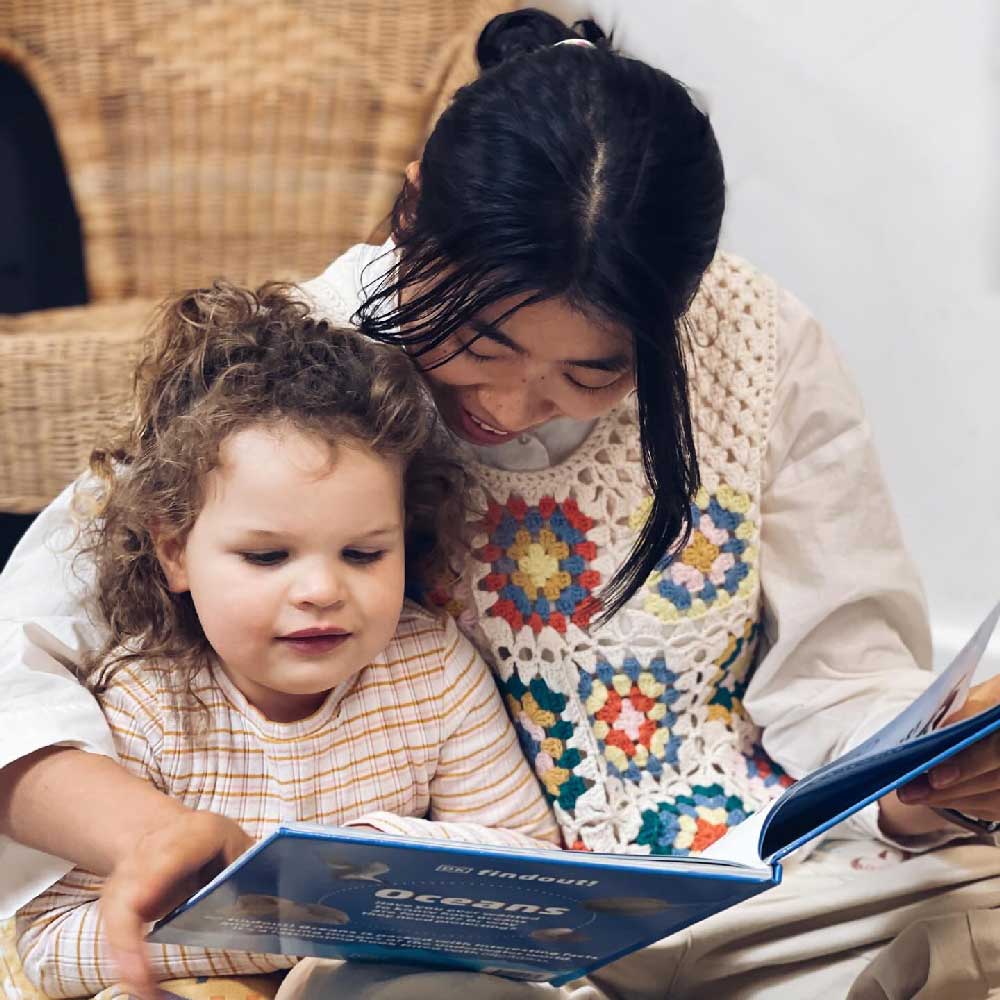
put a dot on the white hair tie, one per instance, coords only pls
(576, 41)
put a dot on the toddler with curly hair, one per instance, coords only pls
(253, 530)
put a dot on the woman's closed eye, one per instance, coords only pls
(611, 379)
(610, 382)
(478, 355)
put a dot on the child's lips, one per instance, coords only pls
(313, 641)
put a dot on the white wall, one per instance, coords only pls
(862, 144)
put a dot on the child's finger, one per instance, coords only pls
(159, 874)
(124, 932)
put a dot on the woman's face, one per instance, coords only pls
(545, 360)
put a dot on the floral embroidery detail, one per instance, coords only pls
(726, 704)
(760, 768)
(539, 564)
(717, 564)
(630, 714)
(536, 710)
(690, 823)
(730, 682)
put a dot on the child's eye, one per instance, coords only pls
(363, 557)
(272, 558)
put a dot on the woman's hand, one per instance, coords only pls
(968, 782)
(162, 870)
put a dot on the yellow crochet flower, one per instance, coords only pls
(700, 553)
(536, 713)
(597, 698)
(717, 565)
(538, 564)
(553, 780)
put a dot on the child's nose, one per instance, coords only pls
(319, 587)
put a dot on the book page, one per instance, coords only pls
(742, 842)
(899, 750)
(942, 698)
(832, 792)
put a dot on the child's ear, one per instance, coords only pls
(170, 554)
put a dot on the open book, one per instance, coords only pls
(546, 916)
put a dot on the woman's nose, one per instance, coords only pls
(518, 408)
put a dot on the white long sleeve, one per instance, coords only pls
(846, 637)
(44, 632)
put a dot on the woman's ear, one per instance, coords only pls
(411, 192)
(170, 555)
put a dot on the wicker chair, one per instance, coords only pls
(251, 138)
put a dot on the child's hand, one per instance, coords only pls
(161, 871)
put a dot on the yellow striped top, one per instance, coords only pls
(417, 743)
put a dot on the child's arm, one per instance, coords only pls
(64, 949)
(483, 790)
(72, 942)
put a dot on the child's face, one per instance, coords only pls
(295, 565)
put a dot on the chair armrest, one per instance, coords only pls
(65, 378)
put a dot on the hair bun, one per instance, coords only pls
(519, 32)
(591, 31)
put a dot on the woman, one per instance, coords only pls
(679, 482)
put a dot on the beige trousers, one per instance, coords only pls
(853, 921)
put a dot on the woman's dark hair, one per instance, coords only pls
(568, 171)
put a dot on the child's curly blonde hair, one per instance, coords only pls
(218, 360)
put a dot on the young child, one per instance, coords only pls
(252, 532)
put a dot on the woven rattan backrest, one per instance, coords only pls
(251, 138)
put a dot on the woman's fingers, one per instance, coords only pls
(923, 791)
(973, 772)
(985, 806)
(980, 759)
(980, 697)
(161, 872)
(969, 781)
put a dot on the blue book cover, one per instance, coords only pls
(545, 915)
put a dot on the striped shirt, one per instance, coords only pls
(420, 732)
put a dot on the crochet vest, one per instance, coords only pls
(636, 730)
